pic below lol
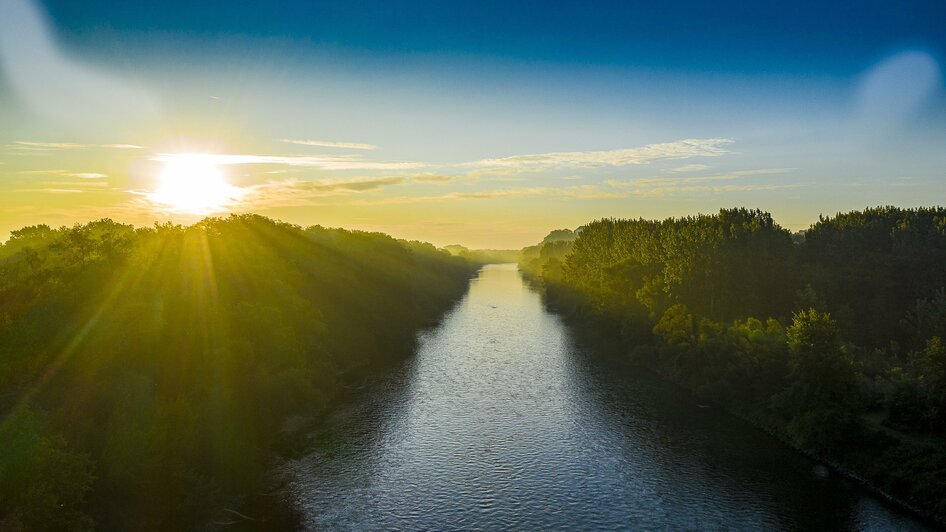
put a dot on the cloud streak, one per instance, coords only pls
(76, 184)
(436, 179)
(66, 173)
(330, 144)
(25, 145)
(681, 149)
(53, 190)
(659, 181)
(690, 168)
(323, 162)
(295, 192)
(582, 192)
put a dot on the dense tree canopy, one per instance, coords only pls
(832, 337)
(145, 374)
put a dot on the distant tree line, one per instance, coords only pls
(484, 256)
(834, 338)
(146, 374)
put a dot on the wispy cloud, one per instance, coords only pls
(652, 192)
(66, 173)
(583, 192)
(674, 181)
(323, 162)
(681, 149)
(330, 144)
(77, 184)
(615, 189)
(764, 171)
(26, 145)
(52, 190)
(492, 194)
(432, 178)
(295, 192)
(690, 168)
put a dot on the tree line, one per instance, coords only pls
(147, 374)
(834, 337)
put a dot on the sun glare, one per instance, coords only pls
(194, 184)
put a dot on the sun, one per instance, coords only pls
(194, 184)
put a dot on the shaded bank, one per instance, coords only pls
(831, 339)
(148, 377)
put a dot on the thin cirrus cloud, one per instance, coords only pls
(53, 190)
(66, 187)
(323, 162)
(654, 192)
(77, 184)
(650, 188)
(331, 144)
(676, 181)
(681, 149)
(581, 192)
(24, 145)
(436, 179)
(66, 173)
(294, 192)
(690, 168)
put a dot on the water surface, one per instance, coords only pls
(505, 420)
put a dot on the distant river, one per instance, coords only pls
(504, 420)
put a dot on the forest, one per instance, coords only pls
(833, 338)
(148, 376)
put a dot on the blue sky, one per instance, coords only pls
(632, 109)
(722, 37)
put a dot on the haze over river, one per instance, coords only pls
(505, 419)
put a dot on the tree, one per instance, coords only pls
(676, 326)
(822, 392)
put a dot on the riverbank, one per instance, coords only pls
(634, 357)
(275, 508)
(148, 373)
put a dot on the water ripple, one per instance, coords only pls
(504, 421)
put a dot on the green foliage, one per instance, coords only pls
(928, 318)
(43, 484)
(719, 266)
(172, 355)
(676, 326)
(918, 398)
(866, 295)
(546, 259)
(872, 266)
(822, 392)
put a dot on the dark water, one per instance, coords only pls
(504, 421)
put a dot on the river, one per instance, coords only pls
(504, 419)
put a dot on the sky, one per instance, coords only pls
(484, 123)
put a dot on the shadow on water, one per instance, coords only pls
(693, 455)
(508, 419)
